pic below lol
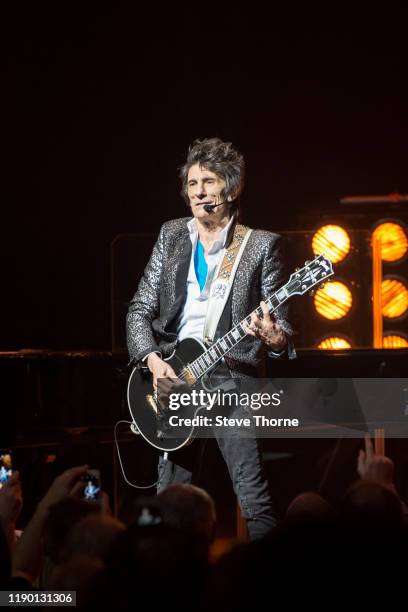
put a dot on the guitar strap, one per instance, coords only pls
(221, 286)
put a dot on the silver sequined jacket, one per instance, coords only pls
(156, 307)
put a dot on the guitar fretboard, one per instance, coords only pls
(299, 283)
(216, 352)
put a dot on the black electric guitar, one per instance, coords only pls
(192, 360)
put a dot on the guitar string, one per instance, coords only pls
(187, 371)
(239, 327)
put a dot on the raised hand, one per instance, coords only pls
(377, 468)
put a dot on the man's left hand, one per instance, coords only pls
(267, 330)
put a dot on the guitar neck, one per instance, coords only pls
(216, 352)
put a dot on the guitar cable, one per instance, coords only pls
(135, 486)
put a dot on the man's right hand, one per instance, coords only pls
(159, 368)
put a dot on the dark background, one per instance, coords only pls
(100, 106)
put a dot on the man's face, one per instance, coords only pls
(204, 187)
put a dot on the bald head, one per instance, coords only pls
(188, 508)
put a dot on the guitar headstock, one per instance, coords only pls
(312, 273)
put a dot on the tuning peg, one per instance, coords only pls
(307, 263)
(312, 292)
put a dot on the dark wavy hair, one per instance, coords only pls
(221, 158)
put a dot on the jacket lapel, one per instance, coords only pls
(180, 285)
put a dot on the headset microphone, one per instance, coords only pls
(210, 207)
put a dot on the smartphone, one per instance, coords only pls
(92, 486)
(6, 465)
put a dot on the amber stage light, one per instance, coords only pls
(394, 298)
(333, 300)
(333, 241)
(334, 343)
(393, 340)
(393, 239)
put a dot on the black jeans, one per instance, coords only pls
(244, 461)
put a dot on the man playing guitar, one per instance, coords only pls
(173, 299)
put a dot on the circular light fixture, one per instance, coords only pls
(334, 343)
(392, 340)
(394, 298)
(393, 239)
(333, 300)
(333, 241)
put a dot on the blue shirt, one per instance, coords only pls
(200, 265)
(195, 308)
